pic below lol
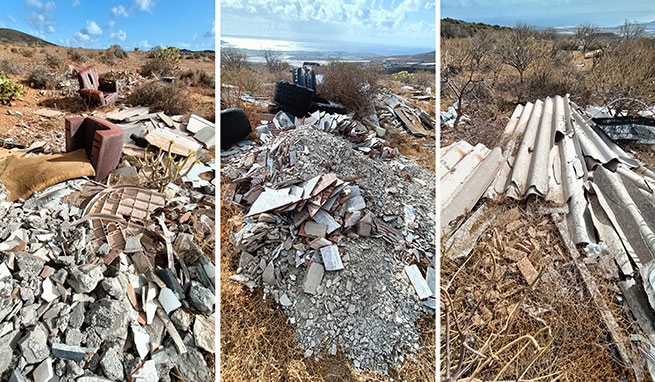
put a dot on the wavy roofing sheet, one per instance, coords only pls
(551, 150)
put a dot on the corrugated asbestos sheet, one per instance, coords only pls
(552, 150)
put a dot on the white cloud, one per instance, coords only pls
(120, 35)
(2, 25)
(76, 3)
(144, 5)
(91, 28)
(145, 44)
(119, 11)
(81, 37)
(41, 16)
(11, 18)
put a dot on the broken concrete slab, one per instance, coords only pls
(418, 282)
(313, 278)
(204, 333)
(331, 258)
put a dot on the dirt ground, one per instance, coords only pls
(28, 127)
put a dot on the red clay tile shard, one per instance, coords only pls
(326, 181)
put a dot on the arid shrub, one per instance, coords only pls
(168, 97)
(53, 60)
(425, 79)
(162, 62)
(624, 71)
(11, 67)
(245, 79)
(42, 78)
(117, 51)
(198, 78)
(27, 52)
(351, 85)
(9, 90)
(76, 55)
(14, 50)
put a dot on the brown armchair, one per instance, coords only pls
(96, 90)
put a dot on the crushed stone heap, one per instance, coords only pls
(337, 253)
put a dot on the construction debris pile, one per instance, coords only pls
(603, 195)
(343, 242)
(108, 304)
(115, 280)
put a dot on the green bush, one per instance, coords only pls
(404, 77)
(9, 90)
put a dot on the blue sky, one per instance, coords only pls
(101, 23)
(605, 13)
(351, 24)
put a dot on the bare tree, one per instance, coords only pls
(588, 35)
(273, 60)
(631, 30)
(519, 48)
(463, 63)
(232, 58)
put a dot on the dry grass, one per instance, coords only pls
(421, 150)
(257, 342)
(552, 329)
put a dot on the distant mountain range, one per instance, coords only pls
(649, 29)
(14, 36)
(459, 28)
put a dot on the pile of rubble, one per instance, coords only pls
(339, 239)
(77, 306)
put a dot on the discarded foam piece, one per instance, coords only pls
(313, 278)
(23, 176)
(331, 258)
(197, 124)
(181, 145)
(418, 282)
